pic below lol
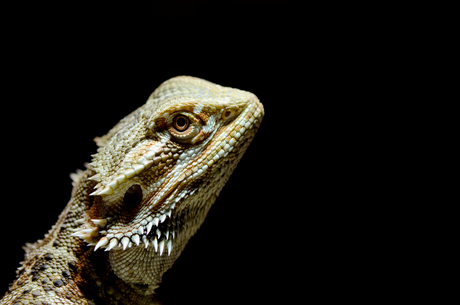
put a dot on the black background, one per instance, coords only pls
(311, 212)
(73, 71)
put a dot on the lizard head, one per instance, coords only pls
(160, 169)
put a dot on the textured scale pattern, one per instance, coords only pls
(144, 195)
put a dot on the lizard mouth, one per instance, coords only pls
(152, 220)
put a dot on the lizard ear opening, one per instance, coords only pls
(133, 196)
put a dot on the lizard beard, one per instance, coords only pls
(141, 265)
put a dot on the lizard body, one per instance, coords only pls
(146, 192)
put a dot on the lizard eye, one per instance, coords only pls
(184, 127)
(181, 123)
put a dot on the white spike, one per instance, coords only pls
(120, 178)
(129, 173)
(169, 246)
(90, 231)
(162, 218)
(167, 234)
(100, 222)
(96, 192)
(155, 243)
(80, 234)
(125, 242)
(169, 213)
(135, 239)
(162, 246)
(96, 178)
(146, 241)
(149, 227)
(102, 242)
(138, 168)
(173, 233)
(158, 233)
(156, 221)
(113, 184)
(83, 233)
(113, 243)
(140, 230)
(80, 221)
(106, 191)
(87, 233)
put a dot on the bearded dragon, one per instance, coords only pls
(146, 192)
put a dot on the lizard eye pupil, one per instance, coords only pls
(181, 123)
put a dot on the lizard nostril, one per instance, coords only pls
(133, 196)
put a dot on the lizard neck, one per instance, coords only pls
(96, 277)
(62, 268)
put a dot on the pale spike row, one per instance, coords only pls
(126, 240)
(155, 221)
(145, 161)
(100, 223)
(86, 234)
(126, 243)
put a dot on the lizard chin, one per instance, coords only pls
(144, 262)
(145, 240)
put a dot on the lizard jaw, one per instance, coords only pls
(161, 207)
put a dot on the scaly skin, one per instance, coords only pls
(147, 191)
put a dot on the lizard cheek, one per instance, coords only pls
(200, 137)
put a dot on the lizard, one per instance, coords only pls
(145, 193)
